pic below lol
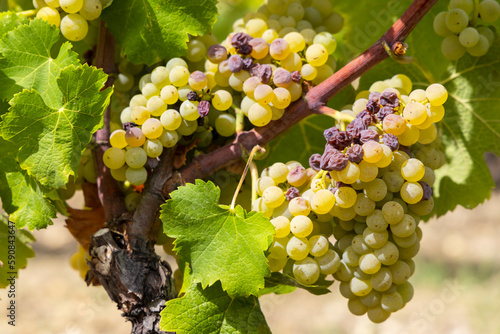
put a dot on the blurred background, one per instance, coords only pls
(456, 282)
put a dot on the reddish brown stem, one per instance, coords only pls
(315, 99)
(109, 193)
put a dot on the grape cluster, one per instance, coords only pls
(75, 14)
(461, 31)
(374, 181)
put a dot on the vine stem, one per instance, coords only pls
(314, 101)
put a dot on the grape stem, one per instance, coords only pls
(316, 98)
(28, 13)
(249, 162)
(335, 114)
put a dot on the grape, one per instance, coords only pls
(152, 128)
(295, 41)
(382, 280)
(198, 80)
(376, 222)
(174, 62)
(480, 48)
(123, 82)
(369, 263)
(277, 249)
(299, 206)
(387, 254)
(322, 201)
(297, 176)
(297, 248)
(169, 138)
(179, 76)
(457, 20)
(281, 225)
(376, 190)
(149, 90)
(319, 245)
(349, 256)
(400, 271)
(316, 55)
(222, 100)
(452, 48)
(306, 271)
(263, 183)
(263, 94)
(153, 148)
(135, 137)
(404, 228)
(117, 139)
(377, 314)
(217, 53)
(308, 72)
(469, 37)
(136, 157)
(71, 6)
(276, 265)
(260, 114)
(119, 174)
(270, 34)
(465, 5)
(488, 33)
(74, 27)
(423, 208)
(300, 226)
(440, 26)
(412, 170)
(295, 90)
(196, 51)
(489, 10)
(189, 110)
(273, 197)
(259, 206)
(138, 101)
(91, 9)
(256, 27)
(282, 78)
(140, 115)
(236, 80)
(114, 158)
(393, 212)
(415, 113)
(360, 287)
(136, 176)
(169, 94)
(406, 242)
(279, 49)
(171, 119)
(375, 239)
(278, 172)
(329, 262)
(225, 125)
(327, 40)
(350, 173)
(372, 152)
(50, 15)
(411, 192)
(282, 98)
(436, 94)
(409, 136)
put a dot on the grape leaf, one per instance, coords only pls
(277, 280)
(217, 243)
(212, 311)
(19, 239)
(52, 138)
(26, 61)
(9, 21)
(151, 30)
(22, 196)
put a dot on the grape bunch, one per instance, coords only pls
(70, 16)
(461, 30)
(373, 182)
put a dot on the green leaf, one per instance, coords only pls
(9, 21)
(13, 240)
(151, 30)
(299, 142)
(22, 196)
(279, 280)
(26, 61)
(52, 139)
(212, 311)
(217, 243)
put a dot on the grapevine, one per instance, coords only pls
(156, 122)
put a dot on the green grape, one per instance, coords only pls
(123, 82)
(183, 92)
(136, 157)
(411, 192)
(457, 20)
(377, 314)
(388, 254)
(375, 239)
(386, 159)
(299, 206)
(225, 125)
(91, 9)
(270, 34)
(334, 23)
(367, 171)
(279, 172)
(138, 101)
(189, 110)
(117, 139)
(481, 48)
(436, 94)
(140, 115)
(372, 152)
(329, 262)
(153, 148)
(466, 5)
(276, 265)
(295, 41)
(489, 10)
(322, 201)
(415, 113)
(297, 248)
(405, 242)
(440, 26)
(169, 138)
(174, 62)
(400, 271)
(428, 135)
(259, 206)
(293, 62)
(375, 190)
(295, 90)
(319, 245)
(145, 79)
(249, 87)
(281, 226)
(205, 138)
(308, 72)
(236, 80)
(135, 137)
(469, 37)
(409, 136)
(327, 40)
(324, 72)
(222, 100)
(179, 76)
(152, 128)
(423, 208)
(119, 174)
(256, 27)
(452, 48)
(136, 176)
(196, 51)
(345, 197)
(171, 119)
(260, 114)
(71, 6)
(50, 15)
(363, 206)
(263, 94)
(149, 90)
(488, 33)
(306, 271)
(393, 212)
(393, 180)
(52, 3)
(156, 106)
(406, 291)
(273, 197)
(169, 94)
(382, 280)
(281, 98)
(360, 287)
(74, 27)
(277, 249)
(436, 113)
(300, 226)
(349, 256)
(287, 22)
(316, 55)
(187, 128)
(160, 76)
(279, 49)
(263, 183)
(376, 222)
(404, 228)
(412, 170)
(369, 263)
(114, 158)
(359, 245)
